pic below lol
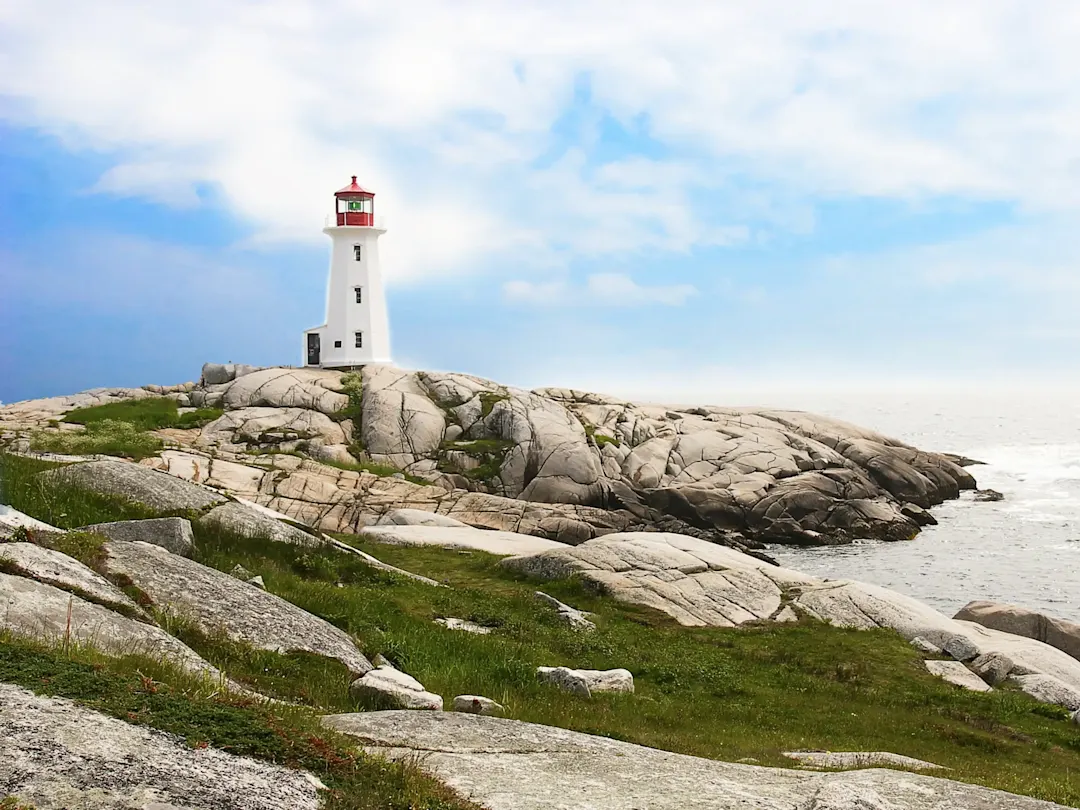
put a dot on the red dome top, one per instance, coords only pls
(353, 188)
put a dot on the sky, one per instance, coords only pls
(673, 199)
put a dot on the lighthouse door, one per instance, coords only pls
(313, 348)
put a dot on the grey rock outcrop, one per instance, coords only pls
(859, 759)
(34, 609)
(417, 517)
(493, 542)
(245, 521)
(12, 520)
(1049, 689)
(387, 685)
(1021, 621)
(956, 673)
(133, 482)
(56, 755)
(64, 572)
(994, 667)
(509, 765)
(216, 601)
(293, 388)
(172, 534)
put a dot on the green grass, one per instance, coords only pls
(152, 413)
(146, 692)
(64, 507)
(107, 437)
(753, 691)
(489, 452)
(488, 400)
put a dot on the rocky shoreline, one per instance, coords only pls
(556, 463)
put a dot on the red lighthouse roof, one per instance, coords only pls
(353, 188)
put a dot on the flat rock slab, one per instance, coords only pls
(509, 765)
(11, 519)
(956, 673)
(172, 534)
(57, 755)
(34, 609)
(493, 542)
(134, 482)
(464, 626)
(418, 517)
(859, 759)
(64, 572)
(216, 601)
(693, 581)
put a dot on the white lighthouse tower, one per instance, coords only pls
(357, 328)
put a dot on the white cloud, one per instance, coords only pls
(599, 290)
(446, 107)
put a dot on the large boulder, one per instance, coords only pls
(266, 427)
(247, 521)
(288, 388)
(510, 765)
(401, 425)
(34, 609)
(172, 534)
(133, 482)
(218, 602)
(56, 755)
(1021, 621)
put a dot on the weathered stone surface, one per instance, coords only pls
(172, 534)
(245, 521)
(221, 373)
(924, 646)
(693, 581)
(401, 425)
(493, 542)
(993, 667)
(285, 428)
(64, 572)
(859, 759)
(388, 685)
(1021, 621)
(464, 626)
(257, 582)
(31, 608)
(417, 517)
(216, 601)
(956, 673)
(12, 519)
(57, 755)
(586, 681)
(1049, 689)
(309, 389)
(578, 619)
(133, 482)
(509, 765)
(475, 704)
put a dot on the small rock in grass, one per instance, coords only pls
(1076, 717)
(584, 682)
(475, 704)
(961, 648)
(257, 582)
(172, 534)
(461, 624)
(993, 667)
(240, 572)
(956, 673)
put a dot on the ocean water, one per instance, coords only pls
(1024, 549)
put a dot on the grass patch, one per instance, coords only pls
(107, 437)
(146, 692)
(151, 413)
(63, 507)
(489, 452)
(488, 400)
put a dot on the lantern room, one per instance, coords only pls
(355, 205)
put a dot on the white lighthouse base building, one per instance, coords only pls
(357, 327)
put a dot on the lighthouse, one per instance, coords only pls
(357, 327)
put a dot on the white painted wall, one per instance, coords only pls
(345, 317)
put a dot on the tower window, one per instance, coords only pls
(359, 294)
(337, 344)
(356, 251)
(359, 340)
